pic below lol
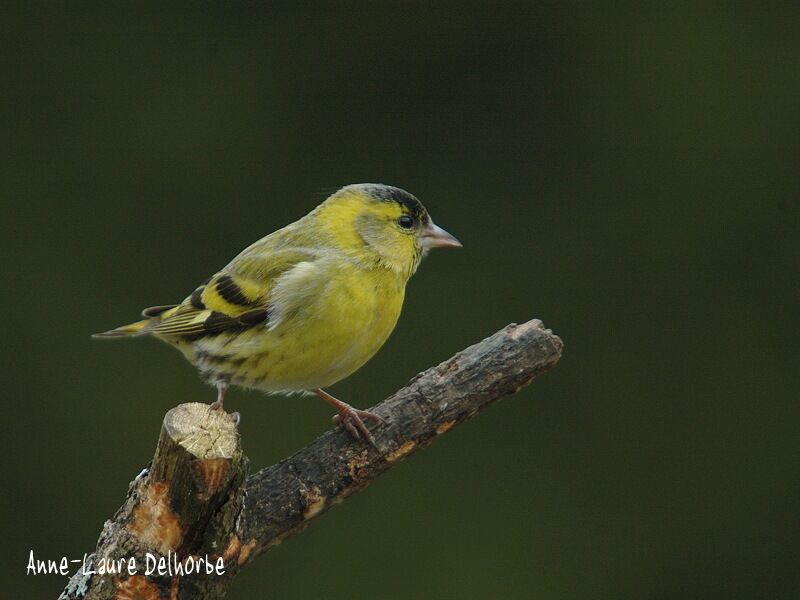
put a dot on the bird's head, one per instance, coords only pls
(384, 223)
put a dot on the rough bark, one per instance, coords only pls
(195, 500)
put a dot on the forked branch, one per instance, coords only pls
(194, 518)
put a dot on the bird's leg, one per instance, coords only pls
(222, 387)
(351, 418)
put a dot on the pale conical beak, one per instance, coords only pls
(434, 236)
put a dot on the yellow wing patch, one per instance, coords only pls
(229, 294)
(223, 303)
(185, 320)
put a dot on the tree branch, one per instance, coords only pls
(194, 510)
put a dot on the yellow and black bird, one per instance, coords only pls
(307, 305)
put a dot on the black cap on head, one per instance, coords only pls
(389, 193)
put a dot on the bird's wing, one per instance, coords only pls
(236, 298)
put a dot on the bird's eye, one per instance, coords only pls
(406, 222)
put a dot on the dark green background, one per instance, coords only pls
(629, 175)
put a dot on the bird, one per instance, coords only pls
(307, 305)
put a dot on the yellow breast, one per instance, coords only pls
(321, 330)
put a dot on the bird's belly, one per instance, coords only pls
(323, 343)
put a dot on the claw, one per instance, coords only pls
(350, 418)
(218, 404)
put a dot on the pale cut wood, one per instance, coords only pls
(196, 500)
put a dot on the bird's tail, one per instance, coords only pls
(132, 329)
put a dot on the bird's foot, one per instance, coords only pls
(353, 419)
(218, 404)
